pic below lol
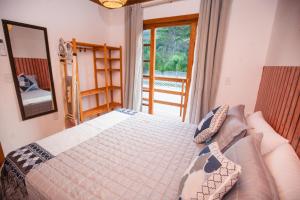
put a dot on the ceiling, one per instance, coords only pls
(129, 2)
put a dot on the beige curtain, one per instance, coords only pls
(134, 53)
(208, 56)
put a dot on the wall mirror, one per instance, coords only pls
(29, 57)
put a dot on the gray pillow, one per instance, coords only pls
(255, 180)
(233, 128)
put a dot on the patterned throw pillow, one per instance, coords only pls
(210, 124)
(35, 85)
(210, 176)
(24, 83)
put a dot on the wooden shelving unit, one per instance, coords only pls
(104, 66)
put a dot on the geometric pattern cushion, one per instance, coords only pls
(24, 83)
(210, 176)
(210, 124)
(35, 85)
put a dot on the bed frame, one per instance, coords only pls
(279, 100)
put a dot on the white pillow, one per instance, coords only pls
(271, 139)
(284, 165)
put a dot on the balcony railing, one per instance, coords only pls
(167, 85)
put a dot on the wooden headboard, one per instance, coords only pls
(279, 100)
(34, 66)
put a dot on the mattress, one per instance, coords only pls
(115, 156)
(58, 143)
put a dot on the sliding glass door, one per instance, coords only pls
(168, 57)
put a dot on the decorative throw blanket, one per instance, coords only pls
(127, 111)
(16, 165)
(142, 157)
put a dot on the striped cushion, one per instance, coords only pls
(210, 124)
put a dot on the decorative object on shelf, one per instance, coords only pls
(113, 3)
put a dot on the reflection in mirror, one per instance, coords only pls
(31, 67)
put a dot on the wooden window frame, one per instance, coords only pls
(152, 24)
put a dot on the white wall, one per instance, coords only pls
(246, 44)
(27, 42)
(247, 41)
(172, 9)
(116, 19)
(284, 48)
(81, 19)
(248, 35)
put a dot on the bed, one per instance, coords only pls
(36, 101)
(124, 140)
(130, 155)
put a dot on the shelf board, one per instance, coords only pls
(96, 91)
(102, 70)
(96, 46)
(91, 92)
(100, 109)
(114, 104)
(94, 111)
(114, 48)
(108, 59)
(114, 87)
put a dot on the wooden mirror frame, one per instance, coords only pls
(14, 71)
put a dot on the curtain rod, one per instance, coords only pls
(156, 3)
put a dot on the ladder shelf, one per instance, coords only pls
(108, 88)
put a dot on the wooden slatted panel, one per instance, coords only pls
(279, 100)
(34, 66)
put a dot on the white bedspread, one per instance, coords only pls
(142, 157)
(69, 138)
(36, 96)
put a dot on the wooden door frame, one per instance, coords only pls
(152, 24)
(171, 21)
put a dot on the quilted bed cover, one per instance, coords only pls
(142, 157)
